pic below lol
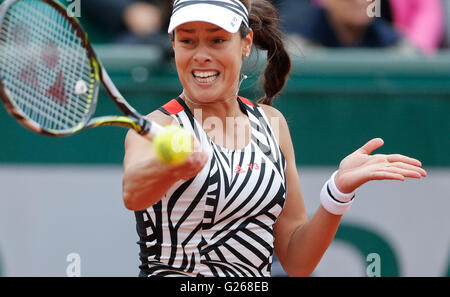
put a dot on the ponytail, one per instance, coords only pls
(264, 20)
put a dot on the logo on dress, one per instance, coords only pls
(251, 166)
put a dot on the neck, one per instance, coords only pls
(186, 98)
(228, 107)
(221, 110)
(224, 122)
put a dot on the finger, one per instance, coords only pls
(205, 158)
(190, 173)
(383, 175)
(404, 159)
(197, 162)
(404, 172)
(197, 146)
(371, 145)
(402, 165)
(201, 162)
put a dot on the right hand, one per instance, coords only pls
(193, 165)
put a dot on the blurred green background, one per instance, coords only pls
(333, 102)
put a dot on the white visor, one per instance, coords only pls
(227, 14)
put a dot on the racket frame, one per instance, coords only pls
(131, 118)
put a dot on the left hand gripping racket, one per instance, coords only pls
(50, 75)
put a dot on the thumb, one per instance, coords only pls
(371, 145)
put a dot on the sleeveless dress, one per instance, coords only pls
(219, 223)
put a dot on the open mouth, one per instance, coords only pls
(205, 77)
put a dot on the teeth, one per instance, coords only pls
(206, 80)
(205, 77)
(205, 74)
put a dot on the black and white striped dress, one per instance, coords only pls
(219, 223)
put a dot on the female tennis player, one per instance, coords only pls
(235, 202)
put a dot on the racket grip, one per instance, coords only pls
(155, 129)
(150, 129)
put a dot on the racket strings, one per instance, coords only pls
(41, 66)
(31, 75)
(59, 87)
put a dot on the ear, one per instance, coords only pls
(247, 44)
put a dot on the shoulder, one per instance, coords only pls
(160, 117)
(279, 125)
(138, 148)
(156, 116)
(274, 116)
(271, 111)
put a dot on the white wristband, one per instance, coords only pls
(333, 200)
(338, 195)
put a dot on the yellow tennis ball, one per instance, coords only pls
(173, 146)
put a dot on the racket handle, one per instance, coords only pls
(151, 129)
(155, 129)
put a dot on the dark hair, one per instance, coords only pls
(264, 20)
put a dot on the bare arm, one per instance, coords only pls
(300, 243)
(145, 180)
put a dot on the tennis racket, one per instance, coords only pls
(50, 75)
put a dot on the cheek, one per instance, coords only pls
(232, 63)
(181, 63)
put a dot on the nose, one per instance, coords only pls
(202, 55)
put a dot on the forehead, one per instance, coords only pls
(194, 27)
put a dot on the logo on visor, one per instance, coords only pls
(234, 21)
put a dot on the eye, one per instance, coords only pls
(219, 40)
(186, 41)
